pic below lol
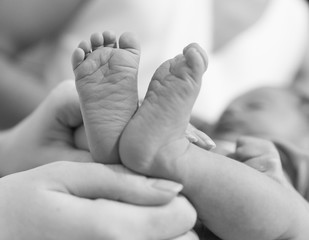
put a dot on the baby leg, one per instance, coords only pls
(157, 131)
(106, 80)
(232, 199)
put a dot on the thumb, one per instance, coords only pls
(114, 182)
(199, 138)
(62, 106)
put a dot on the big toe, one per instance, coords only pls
(196, 58)
(129, 41)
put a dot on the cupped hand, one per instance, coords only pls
(46, 135)
(69, 200)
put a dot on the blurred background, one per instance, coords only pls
(250, 43)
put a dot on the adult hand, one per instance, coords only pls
(46, 135)
(194, 135)
(55, 132)
(69, 200)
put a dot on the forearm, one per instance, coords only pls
(20, 92)
(238, 202)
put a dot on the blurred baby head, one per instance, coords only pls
(265, 112)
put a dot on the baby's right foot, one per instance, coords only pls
(155, 138)
(106, 80)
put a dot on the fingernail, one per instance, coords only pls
(192, 138)
(167, 185)
(206, 142)
(211, 144)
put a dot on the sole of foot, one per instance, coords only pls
(155, 138)
(106, 81)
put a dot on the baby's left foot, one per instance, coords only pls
(155, 138)
(106, 80)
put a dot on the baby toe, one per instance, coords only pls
(78, 57)
(85, 46)
(196, 58)
(96, 40)
(129, 41)
(110, 39)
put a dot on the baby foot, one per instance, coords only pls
(106, 81)
(156, 136)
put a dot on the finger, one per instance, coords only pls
(135, 222)
(60, 111)
(262, 164)
(199, 138)
(105, 219)
(188, 236)
(73, 155)
(115, 182)
(61, 107)
(251, 147)
(269, 166)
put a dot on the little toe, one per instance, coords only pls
(96, 40)
(129, 41)
(196, 58)
(110, 39)
(85, 46)
(77, 57)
